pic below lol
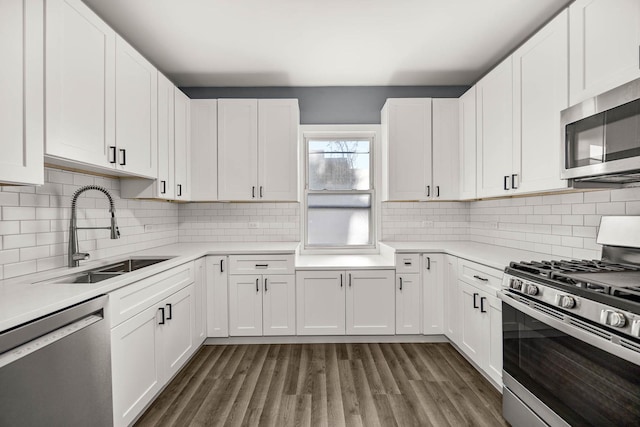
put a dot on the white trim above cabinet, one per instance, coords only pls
(22, 89)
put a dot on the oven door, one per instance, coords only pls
(565, 370)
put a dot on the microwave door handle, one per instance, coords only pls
(580, 334)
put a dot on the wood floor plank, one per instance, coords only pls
(327, 385)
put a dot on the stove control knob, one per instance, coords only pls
(515, 284)
(565, 301)
(531, 289)
(612, 318)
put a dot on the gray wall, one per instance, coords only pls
(332, 105)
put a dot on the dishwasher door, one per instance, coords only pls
(56, 371)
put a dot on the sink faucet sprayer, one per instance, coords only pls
(74, 255)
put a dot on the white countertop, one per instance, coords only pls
(23, 299)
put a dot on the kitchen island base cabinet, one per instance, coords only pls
(355, 302)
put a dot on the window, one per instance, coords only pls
(339, 192)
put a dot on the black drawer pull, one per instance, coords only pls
(475, 276)
(428, 263)
(162, 312)
(407, 263)
(265, 285)
(341, 284)
(222, 265)
(262, 265)
(401, 283)
(257, 286)
(170, 316)
(482, 305)
(475, 300)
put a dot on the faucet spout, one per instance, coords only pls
(74, 256)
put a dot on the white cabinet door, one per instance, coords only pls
(245, 305)
(604, 40)
(408, 304)
(204, 150)
(136, 112)
(217, 300)
(137, 367)
(278, 121)
(178, 330)
(467, 135)
(446, 156)
(472, 327)
(492, 320)
(80, 84)
(279, 305)
(370, 300)
(165, 185)
(182, 154)
(320, 302)
(433, 290)
(452, 307)
(406, 141)
(237, 149)
(200, 301)
(540, 83)
(494, 105)
(22, 89)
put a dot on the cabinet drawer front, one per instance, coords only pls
(478, 274)
(407, 263)
(133, 299)
(261, 264)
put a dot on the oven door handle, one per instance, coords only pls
(574, 331)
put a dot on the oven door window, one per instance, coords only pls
(582, 384)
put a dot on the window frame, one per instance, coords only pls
(341, 132)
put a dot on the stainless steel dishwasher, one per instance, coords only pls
(56, 370)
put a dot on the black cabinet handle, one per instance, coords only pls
(257, 286)
(163, 187)
(482, 305)
(475, 276)
(123, 161)
(428, 191)
(261, 191)
(262, 265)
(401, 283)
(437, 191)
(506, 182)
(407, 263)
(514, 183)
(341, 284)
(162, 312)
(253, 192)
(349, 279)
(170, 307)
(113, 154)
(265, 285)
(222, 265)
(475, 300)
(428, 263)
(179, 189)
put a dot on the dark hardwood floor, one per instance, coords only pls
(327, 385)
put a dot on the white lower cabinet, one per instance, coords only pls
(152, 337)
(433, 290)
(355, 302)
(451, 300)
(408, 304)
(261, 305)
(200, 301)
(217, 296)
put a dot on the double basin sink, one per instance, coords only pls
(110, 271)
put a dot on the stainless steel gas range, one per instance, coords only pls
(571, 335)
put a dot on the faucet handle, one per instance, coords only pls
(81, 256)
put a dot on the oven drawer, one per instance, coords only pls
(262, 264)
(407, 263)
(478, 274)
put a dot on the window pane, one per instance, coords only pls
(339, 165)
(339, 219)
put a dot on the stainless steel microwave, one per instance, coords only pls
(602, 137)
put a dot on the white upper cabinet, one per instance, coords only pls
(258, 149)
(278, 121)
(165, 184)
(540, 92)
(467, 141)
(237, 149)
(136, 112)
(182, 152)
(204, 150)
(604, 42)
(494, 109)
(80, 84)
(21, 86)
(406, 149)
(446, 158)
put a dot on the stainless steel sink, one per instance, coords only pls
(110, 271)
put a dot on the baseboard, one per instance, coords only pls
(327, 339)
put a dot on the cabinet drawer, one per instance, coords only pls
(130, 300)
(407, 263)
(478, 274)
(261, 264)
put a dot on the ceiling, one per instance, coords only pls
(325, 42)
